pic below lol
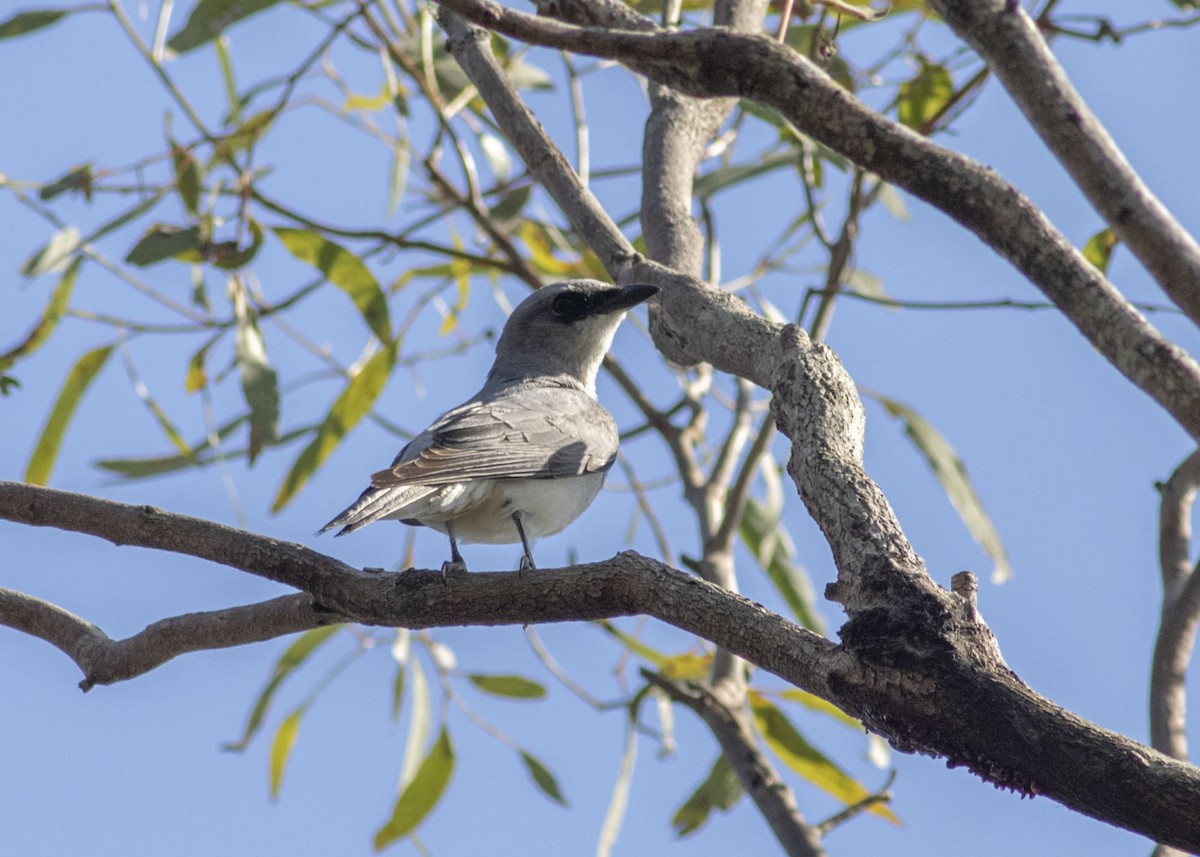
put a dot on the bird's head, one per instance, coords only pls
(564, 331)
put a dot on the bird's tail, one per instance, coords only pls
(375, 503)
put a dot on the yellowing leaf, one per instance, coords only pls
(922, 98)
(78, 379)
(59, 300)
(344, 270)
(420, 796)
(1099, 249)
(281, 749)
(806, 760)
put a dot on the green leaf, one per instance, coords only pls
(398, 691)
(161, 242)
(281, 748)
(210, 18)
(294, 656)
(720, 790)
(260, 381)
(921, 99)
(682, 666)
(55, 256)
(543, 778)
(951, 474)
(806, 760)
(345, 271)
(512, 686)
(27, 22)
(78, 379)
(768, 541)
(78, 179)
(41, 331)
(197, 378)
(1099, 249)
(188, 180)
(509, 206)
(421, 795)
(349, 407)
(733, 174)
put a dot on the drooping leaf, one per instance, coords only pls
(78, 179)
(188, 180)
(41, 331)
(951, 474)
(922, 98)
(292, 658)
(496, 153)
(814, 703)
(768, 541)
(719, 790)
(37, 472)
(511, 686)
(196, 378)
(735, 174)
(201, 455)
(344, 270)
(543, 778)
(1099, 249)
(27, 22)
(615, 816)
(681, 666)
(419, 724)
(281, 748)
(55, 255)
(420, 796)
(260, 381)
(250, 130)
(806, 760)
(161, 242)
(509, 207)
(349, 407)
(210, 18)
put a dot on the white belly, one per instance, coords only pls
(483, 511)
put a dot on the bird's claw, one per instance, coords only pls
(453, 568)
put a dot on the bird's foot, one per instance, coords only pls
(526, 564)
(453, 568)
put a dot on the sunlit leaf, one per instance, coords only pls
(893, 202)
(37, 472)
(78, 179)
(1099, 249)
(210, 18)
(348, 408)
(260, 381)
(682, 666)
(497, 156)
(617, 804)
(28, 22)
(460, 269)
(814, 703)
(419, 724)
(55, 256)
(922, 98)
(292, 658)
(197, 378)
(720, 790)
(951, 474)
(344, 270)
(806, 760)
(512, 686)
(543, 778)
(281, 748)
(161, 242)
(59, 300)
(421, 795)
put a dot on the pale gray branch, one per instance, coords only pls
(1009, 41)
(759, 780)
(1180, 611)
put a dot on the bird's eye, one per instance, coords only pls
(569, 306)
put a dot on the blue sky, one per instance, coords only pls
(1063, 451)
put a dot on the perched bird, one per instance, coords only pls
(524, 456)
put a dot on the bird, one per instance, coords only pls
(528, 453)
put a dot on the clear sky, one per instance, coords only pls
(1063, 451)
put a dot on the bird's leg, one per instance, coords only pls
(527, 559)
(456, 564)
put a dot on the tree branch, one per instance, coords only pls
(759, 780)
(710, 63)
(1009, 41)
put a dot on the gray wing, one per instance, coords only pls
(524, 433)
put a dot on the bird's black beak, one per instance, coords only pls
(620, 299)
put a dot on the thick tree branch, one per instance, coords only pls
(1180, 612)
(936, 685)
(710, 63)
(731, 727)
(1009, 41)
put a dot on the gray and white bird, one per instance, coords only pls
(528, 453)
